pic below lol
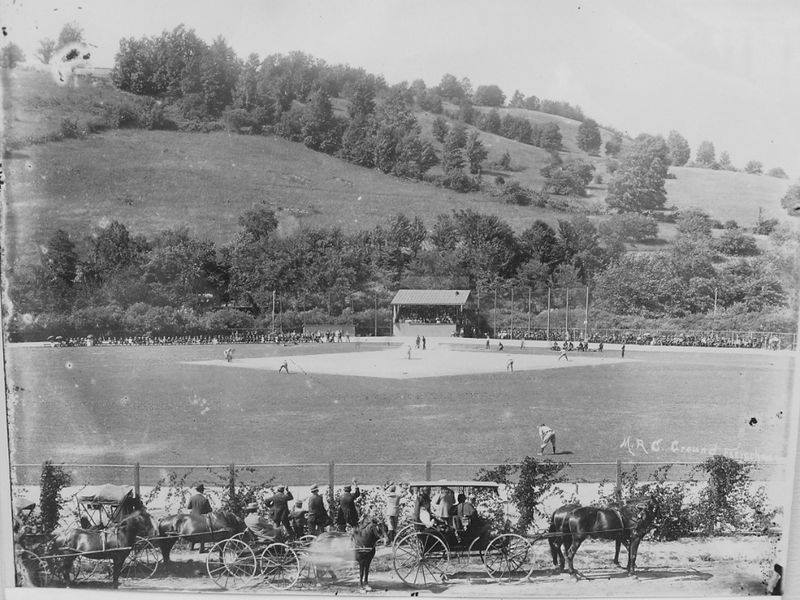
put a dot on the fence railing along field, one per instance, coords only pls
(336, 474)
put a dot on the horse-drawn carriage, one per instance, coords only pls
(112, 525)
(424, 551)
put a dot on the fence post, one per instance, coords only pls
(618, 486)
(330, 491)
(427, 470)
(136, 481)
(232, 482)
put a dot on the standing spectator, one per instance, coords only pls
(298, 519)
(423, 342)
(423, 500)
(487, 341)
(600, 347)
(348, 513)
(280, 507)
(465, 510)
(198, 506)
(317, 515)
(444, 502)
(418, 341)
(622, 350)
(392, 509)
(548, 436)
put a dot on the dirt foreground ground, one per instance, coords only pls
(692, 567)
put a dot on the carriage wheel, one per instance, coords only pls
(421, 558)
(142, 562)
(84, 568)
(231, 564)
(475, 547)
(31, 571)
(280, 566)
(508, 558)
(402, 532)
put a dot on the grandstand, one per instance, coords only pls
(429, 313)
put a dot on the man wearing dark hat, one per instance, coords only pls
(198, 506)
(317, 515)
(280, 507)
(348, 513)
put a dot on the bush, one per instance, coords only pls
(515, 193)
(765, 226)
(69, 129)
(96, 125)
(53, 480)
(630, 227)
(723, 502)
(460, 182)
(154, 117)
(734, 242)
(730, 224)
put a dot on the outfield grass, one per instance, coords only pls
(153, 405)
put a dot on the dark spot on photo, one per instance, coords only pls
(753, 421)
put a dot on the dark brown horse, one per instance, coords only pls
(334, 549)
(556, 531)
(626, 524)
(209, 528)
(114, 542)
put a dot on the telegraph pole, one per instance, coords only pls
(529, 312)
(548, 313)
(566, 317)
(512, 313)
(494, 313)
(273, 312)
(376, 314)
(586, 318)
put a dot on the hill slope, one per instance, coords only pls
(154, 180)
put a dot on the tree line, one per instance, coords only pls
(171, 280)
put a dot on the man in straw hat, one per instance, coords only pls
(260, 526)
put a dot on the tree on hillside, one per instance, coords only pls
(491, 121)
(259, 222)
(550, 136)
(629, 227)
(705, 154)
(725, 161)
(569, 178)
(489, 95)
(638, 184)
(777, 172)
(60, 259)
(10, 56)
(589, 139)
(754, 167)
(532, 103)
(219, 72)
(451, 89)
(791, 199)
(466, 112)
(694, 223)
(679, 151)
(517, 100)
(440, 129)
(320, 129)
(453, 159)
(614, 146)
(539, 242)
(476, 152)
(245, 91)
(47, 47)
(71, 33)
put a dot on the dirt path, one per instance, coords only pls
(692, 567)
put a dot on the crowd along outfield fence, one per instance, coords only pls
(337, 474)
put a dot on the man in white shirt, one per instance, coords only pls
(548, 436)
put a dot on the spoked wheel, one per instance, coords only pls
(142, 562)
(402, 532)
(508, 558)
(421, 558)
(280, 566)
(31, 571)
(231, 564)
(85, 568)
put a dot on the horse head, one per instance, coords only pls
(370, 530)
(137, 524)
(643, 514)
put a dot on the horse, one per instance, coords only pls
(334, 548)
(212, 527)
(557, 522)
(114, 542)
(627, 525)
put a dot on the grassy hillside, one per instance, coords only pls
(153, 180)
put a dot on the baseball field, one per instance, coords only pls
(371, 403)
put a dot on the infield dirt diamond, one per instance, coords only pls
(393, 363)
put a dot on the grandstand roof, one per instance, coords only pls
(431, 297)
